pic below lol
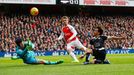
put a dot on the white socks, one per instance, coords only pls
(73, 56)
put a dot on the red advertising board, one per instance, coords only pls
(105, 2)
(121, 2)
(89, 1)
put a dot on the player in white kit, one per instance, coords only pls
(69, 34)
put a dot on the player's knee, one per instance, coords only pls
(86, 50)
(69, 50)
(89, 51)
(83, 48)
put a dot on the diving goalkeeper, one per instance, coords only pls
(24, 52)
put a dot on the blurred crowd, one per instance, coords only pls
(43, 30)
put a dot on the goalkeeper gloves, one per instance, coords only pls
(29, 47)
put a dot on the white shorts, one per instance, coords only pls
(76, 43)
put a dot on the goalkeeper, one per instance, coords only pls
(24, 51)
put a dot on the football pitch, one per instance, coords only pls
(121, 64)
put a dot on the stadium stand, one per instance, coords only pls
(43, 30)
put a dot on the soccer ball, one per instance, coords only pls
(34, 11)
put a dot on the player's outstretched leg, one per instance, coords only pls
(70, 51)
(53, 62)
(87, 59)
(45, 62)
(87, 54)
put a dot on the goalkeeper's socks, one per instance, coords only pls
(59, 62)
(49, 63)
(88, 55)
(53, 63)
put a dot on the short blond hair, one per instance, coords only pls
(64, 17)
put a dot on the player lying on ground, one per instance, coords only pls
(97, 44)
(24, 52)
(69, 33)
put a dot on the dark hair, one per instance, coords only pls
(100, 30)
(18, 41)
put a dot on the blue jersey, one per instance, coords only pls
(27, 56)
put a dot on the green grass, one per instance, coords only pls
(121, 64)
